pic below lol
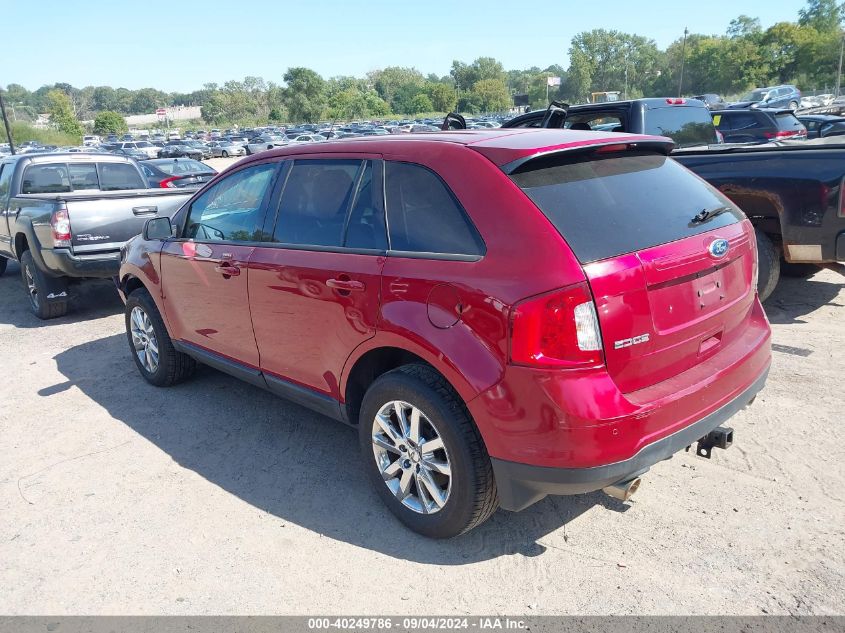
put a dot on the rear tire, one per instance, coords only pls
(793, 105)
(225, 154)
(163, 365)
(37, 285)
(459, 471)
(801, 271)
(768, 265)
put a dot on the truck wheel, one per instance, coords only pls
(799, 270)
(768, 265)
(152, 349)
(3, 263)
(37, 285)
(424, 454)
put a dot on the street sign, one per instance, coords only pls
(161, 112)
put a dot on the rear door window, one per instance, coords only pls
(621, 203)
(687, 126)
(5, 180)
(424, 216)
(315, 202)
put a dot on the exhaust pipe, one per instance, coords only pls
(623, 490)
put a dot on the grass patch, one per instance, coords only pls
(22, 132)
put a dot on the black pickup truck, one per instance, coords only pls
(64, 217)
(793, 194)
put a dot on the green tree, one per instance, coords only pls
(109, 122)
(61, 113)
(397, 85)
(421, 103)
(822, 15)
(443, 97)
(492, 95)
(305, 95)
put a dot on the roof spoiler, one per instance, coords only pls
(555, 115)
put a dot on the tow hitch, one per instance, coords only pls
(720, 437)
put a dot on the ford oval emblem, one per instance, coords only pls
(719, 248)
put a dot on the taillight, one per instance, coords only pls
(675, 101)
(784, 134)
(169, 183)
(559, 329)
(60, 225)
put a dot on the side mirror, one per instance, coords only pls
(157, 229)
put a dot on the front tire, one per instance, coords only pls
(225, 154)
(793, 105)
(768, 265)
(424, 454)
(38, 287)
(152, 349)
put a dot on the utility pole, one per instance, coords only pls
(6, 123)
(683, 61)
(839, 72)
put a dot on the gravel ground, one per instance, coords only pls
(214, 497)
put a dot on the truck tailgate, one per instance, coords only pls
(105, 221)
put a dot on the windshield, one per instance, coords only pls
(755, 95)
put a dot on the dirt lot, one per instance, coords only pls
(215, 497)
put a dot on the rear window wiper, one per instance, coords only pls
(706, 214)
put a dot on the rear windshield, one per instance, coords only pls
(617, 204)
(787, 121)
(686, 125)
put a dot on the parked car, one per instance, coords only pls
(131, 152)
(712, 101)
(224, 149)
(822, 125)
(686, 121)
(178, 149)
(264, 142)
(144, 148)
(791, 194)
(784, 97)
(91, 139)
(504, 346)
(203, 148)
(177, 172)
(758, 125)
(64, 217)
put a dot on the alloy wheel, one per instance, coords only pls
(144, 339)
(411, 457)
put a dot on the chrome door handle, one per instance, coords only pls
(345, 284)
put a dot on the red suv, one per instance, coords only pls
(503, 314)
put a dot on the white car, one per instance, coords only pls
(144, 146)
(265, 142)
(91, 139)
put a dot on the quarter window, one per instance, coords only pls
(423, 216)
(233, 209)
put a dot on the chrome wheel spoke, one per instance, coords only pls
(438, 466)
(424, 503)
(431, 487)
(432, 445)
(388, 429)
(405, 482)
(392, 470)
(414, 430)
(403, 420)
(380, 441)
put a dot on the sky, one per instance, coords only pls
(178, 45)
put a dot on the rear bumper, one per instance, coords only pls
(553, 432)
(521, 485)
(61, 262)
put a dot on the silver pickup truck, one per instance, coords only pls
(64, 217)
